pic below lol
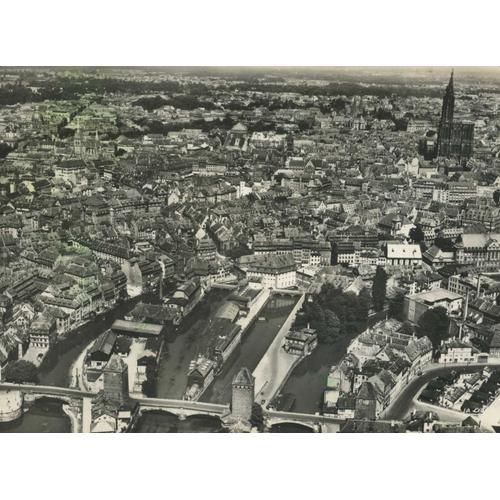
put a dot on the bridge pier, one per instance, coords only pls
(86, 414)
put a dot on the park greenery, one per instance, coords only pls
(379, 289)
(334, 313)
(21, 372)
(416, 234)
(149, 385)
(434, 323)
(257, 417)
(396, 306)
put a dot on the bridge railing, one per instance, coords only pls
(287, 415)
(45, 389)
(183, 404)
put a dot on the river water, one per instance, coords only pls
(253, 346)
(288, 428)
(55, 369)
(308, 380)
(181, 348)
(159, 421)
(45, 415)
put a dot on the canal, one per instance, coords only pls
(55, 368)
(308, 380)
(160, 421)
(44, 415)
(253, 346)
(180, 348)
(290, 428)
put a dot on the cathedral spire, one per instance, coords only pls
(450, 83)
(448, 102)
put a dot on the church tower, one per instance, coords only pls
(445, 132)
(79, 141)
(455, 138)
(448, 102)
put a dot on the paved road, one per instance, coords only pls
(400, 406)
(491, 415)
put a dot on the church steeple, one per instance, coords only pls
(448, 102)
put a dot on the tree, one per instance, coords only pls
(496, 197)
(257, 417)
(149, 385)
(416, 234)
(407, 328)
(149, 388)
(21, 371)
(5, 149)
(328, 330)
(334, 313)
(379, 289)
(396, 305)
(434, 323)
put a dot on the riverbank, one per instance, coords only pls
(276, 365)
(307, 380)
(56, 367)
(179, 349)
(253, 346)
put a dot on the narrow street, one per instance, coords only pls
(403, 404)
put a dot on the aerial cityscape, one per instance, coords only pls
(250, 249)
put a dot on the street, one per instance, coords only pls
(403, 402)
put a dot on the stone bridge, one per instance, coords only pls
(319, 423)
(74, 397)
(183, 408)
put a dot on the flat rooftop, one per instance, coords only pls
(137, 328)
(436, 295)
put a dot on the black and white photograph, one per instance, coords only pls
(248, 249)
(231, 225)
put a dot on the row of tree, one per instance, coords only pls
(334, 313)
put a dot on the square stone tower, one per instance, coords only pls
(116, 379)
(242, 395)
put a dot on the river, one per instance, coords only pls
(55, 369)
(181, 348)
(159, 421)
(44, 415)
(289, 428)
(308, 380)
(253, 346)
